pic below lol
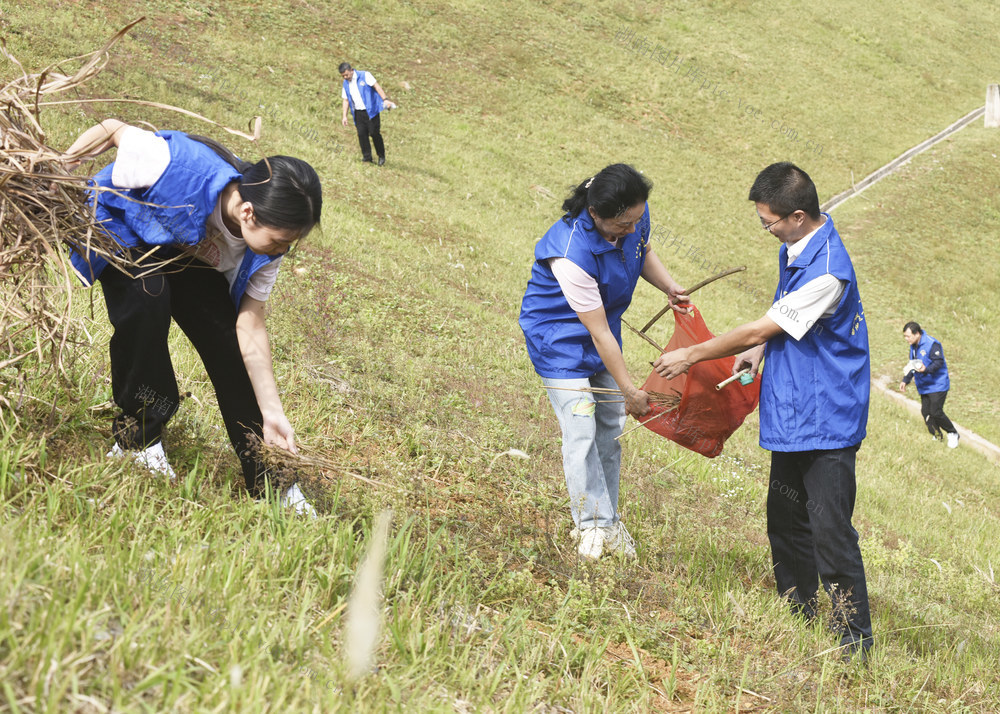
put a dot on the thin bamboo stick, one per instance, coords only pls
(643, 335)
(698, 286)
(642, 423)
(592, 390)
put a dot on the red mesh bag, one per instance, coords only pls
(706, 416)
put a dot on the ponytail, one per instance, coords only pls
(611, 192)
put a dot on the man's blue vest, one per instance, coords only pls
(173, 211)
(814, 391)
(559, 346)
(373, 102)
(929, 382)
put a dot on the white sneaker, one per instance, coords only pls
(296, 499)
(935, 437)
(953, 438)
(619, 540)
(151, 458)
(591, 544)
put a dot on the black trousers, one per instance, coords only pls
(810, 503)
(142, 376)
(932, 409)
(369, 126)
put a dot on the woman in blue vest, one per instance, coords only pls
(585, 271)
(224, 225)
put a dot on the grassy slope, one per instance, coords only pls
(396, 344)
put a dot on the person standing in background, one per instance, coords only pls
(366, 100)
(931, 373)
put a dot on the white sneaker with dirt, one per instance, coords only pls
(619, 540)
(151, 458)
(953, 438)
(591, 544)
(294, 498)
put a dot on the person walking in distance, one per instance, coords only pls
(928, 368)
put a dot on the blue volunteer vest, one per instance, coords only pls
(373, 102)
(559, 346)
(183, 199)
(814, 391)
(929, 382)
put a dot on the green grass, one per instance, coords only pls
(396, 347)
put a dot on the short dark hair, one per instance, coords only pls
(344, 66)
(611, 191)
(786, 188)
(913, 327)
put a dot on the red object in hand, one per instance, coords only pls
(705, 417)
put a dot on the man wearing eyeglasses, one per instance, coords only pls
(813, 402)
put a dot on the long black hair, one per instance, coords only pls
(612, 191)
(285, 192)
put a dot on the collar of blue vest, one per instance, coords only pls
(598, 242)
(819, 238)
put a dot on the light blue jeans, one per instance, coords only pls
(592, 458)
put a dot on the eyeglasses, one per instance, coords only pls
(767, 226)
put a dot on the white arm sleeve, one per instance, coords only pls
(799, 310)
(579, 287)
(142, 158)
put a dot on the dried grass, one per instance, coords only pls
(315, 471)
(43, 212)
(42, 208)
(667, 402)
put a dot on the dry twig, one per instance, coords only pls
(316, 469)
(700, 285)
(43, 210)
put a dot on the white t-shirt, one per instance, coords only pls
(142, 158)
(359, 103)
(800, 309)
(578, 286)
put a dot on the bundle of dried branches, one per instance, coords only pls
(43, 211)
(668, 402)
(42, 208)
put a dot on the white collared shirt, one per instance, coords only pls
(359, 103)
(799, 310)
